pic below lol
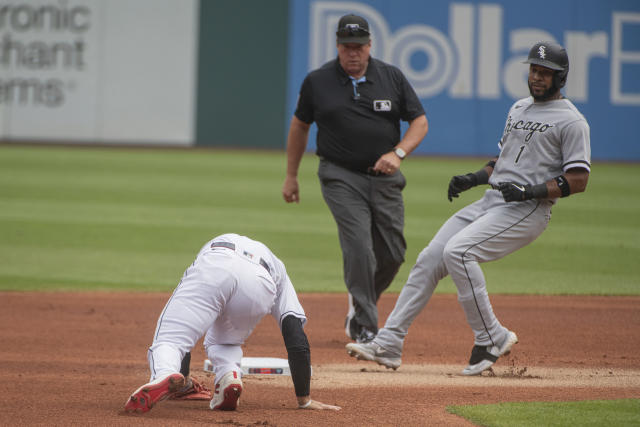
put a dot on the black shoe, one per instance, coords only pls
(365, 336)
(483, 357)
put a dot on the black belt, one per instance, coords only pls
(372, 172)
(367, 171)
(232, 246)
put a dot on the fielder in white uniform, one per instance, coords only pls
(544, 154)
(232, 284)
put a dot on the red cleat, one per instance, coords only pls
(144, 398)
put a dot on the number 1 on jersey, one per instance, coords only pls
(519, 154)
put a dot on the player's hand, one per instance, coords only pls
(514, 192)
(319, 406)
(460, 183)
(290, 191)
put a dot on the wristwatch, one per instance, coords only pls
(400, 153)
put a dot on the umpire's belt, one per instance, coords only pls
(248, 255)
(368, 171)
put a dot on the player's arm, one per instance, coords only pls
(576, 178)
(460, 183)
(572, 181)
(299, 356)
(296, 145)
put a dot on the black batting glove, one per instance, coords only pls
(513, 192)
(460, 183)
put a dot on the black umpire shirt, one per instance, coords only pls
(355, 129)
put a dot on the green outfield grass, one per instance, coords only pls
(610, 413)
(79, 218)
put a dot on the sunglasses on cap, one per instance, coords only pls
(351, 30)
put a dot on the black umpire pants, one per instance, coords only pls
(369, 213)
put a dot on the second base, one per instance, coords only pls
(258, 366)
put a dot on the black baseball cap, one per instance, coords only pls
(550, 55)
(353, 29)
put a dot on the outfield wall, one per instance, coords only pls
(242, 71)
(227, 73)
(464, 58)
(118, 71)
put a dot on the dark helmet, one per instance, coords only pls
(551, 55)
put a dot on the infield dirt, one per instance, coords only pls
(73, 358)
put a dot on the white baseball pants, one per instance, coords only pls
(221, 294)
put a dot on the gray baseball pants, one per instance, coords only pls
(483, 231)
(369, 213)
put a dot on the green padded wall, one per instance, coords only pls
(242, 71)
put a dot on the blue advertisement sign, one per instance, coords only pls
(464, 60)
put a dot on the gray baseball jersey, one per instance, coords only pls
(540, 141)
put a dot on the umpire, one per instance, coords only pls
(357, 103)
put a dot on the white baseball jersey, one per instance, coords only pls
(232, 284)
(286, 301)
(541, 140)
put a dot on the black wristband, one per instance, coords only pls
(539, 191)
(491, 163)
(482, 177)
(563, 185)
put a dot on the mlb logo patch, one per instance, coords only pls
(381, 105)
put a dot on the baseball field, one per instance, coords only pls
(93, 241)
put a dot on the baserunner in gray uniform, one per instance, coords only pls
(544, 154)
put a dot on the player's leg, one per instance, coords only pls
(347, 196)
(428, 270)
(226, 360)
(251, 300)
(387, 227)
(185, 364)
(187, 315)
(504, 229)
